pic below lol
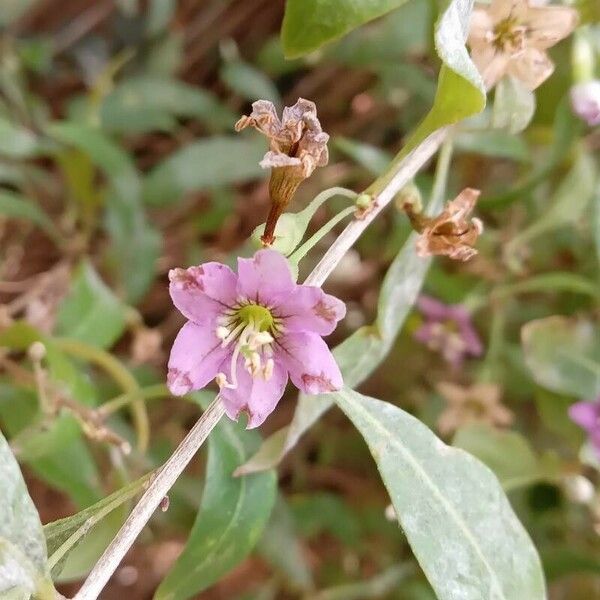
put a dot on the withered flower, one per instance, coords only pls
(478, 403)
(450, 233)
(297, 146)
(510, 37)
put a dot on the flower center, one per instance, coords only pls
(509, 36)
(250, 328)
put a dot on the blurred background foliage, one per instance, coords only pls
(118, 161)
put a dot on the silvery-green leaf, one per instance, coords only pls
(451, 507)
(514, 105)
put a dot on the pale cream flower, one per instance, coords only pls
(510, 37)
(479, 403)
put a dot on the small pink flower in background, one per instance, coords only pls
(510, 37)
(448, 329)
(250, 331)
(587, 416)
(585, 100)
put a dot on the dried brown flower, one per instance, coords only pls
(450, 233)
(297, 146)
(478, 403)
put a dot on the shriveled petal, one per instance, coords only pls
(255, 396)
(309, 308)
(547, 25)
(263, 117)
(490, 62)
(310, 363)
(195, 359)
(532, 67)
(586, 415)
(274, 159)
(201, 293)
(264, 277)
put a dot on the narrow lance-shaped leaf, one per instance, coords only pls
(451, 507)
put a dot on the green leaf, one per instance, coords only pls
(515, 466)
(136, 245)
(232, 516)
(280, 533)
(514, 105)
(16, 206)
(308, 24)
(567, 205)
(65, 535)
(147, 103)
(16, 141)
(456, 518)
(208, 163)
(563, 355)
(23, 564)
(91, 312)
(370, 157)
(493, 143)
(248, 82)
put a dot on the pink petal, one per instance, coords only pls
(585, 414)
(195, 359)
(434, 309)
(532, 67)
(264, 276)
(310, 363)
(480, 26)
(309, 308)
(255, 396)
(201, 293)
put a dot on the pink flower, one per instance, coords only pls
(250, 331)
(448, 330)
(585, 100)
(587, 416)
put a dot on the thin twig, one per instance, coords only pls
(408, 168)
(173, 468)
(149, 502)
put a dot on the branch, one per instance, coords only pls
(168, 474)
(149, 502)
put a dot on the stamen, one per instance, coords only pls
(268, 369)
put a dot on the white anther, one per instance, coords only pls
(222, 332)
(260, 338)
(222, 382)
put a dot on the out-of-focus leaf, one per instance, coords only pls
(208, 163)
(12, 10)
(376, 586)
(370, 157)
(151, 102)
(563, 355)
(159, 15)
(308, 24)
(23, 563)
(15, 206)
(232, 516)
(35, 442)
(357, 356)
(136, 244)
(568, 204)
(65, 535)
(250, 83)
(516, 465)
(91, 312)
(564, 132)
(561, 561)
(550, 282)
(493, 143)
(514, 105)
(280, 533)
(596, 222)
(15, 141)
(456, 518)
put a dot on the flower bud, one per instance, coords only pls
(585, 101)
